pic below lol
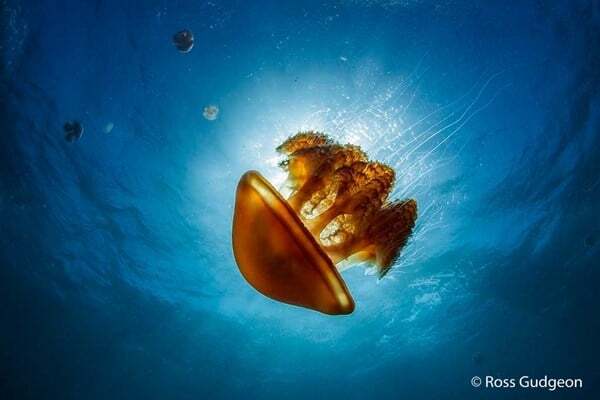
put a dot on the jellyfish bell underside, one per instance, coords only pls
(338, 211)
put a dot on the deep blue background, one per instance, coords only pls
(116, 273)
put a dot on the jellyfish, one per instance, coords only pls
(184, 40)
(210, 112)
(73, 131)
(109, 127)
(338, 213)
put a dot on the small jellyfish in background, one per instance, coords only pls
(109, 127)
(338, 211)
(183, 40)
(210, 112)
(73, 131)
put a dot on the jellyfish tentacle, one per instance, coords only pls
(390, 231)
(302, 140)
(310, 169)
(381, 238)
(360, 195)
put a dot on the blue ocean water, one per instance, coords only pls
(117, 277)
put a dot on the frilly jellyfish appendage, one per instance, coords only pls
(338, 210)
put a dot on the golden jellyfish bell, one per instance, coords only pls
(338, 210)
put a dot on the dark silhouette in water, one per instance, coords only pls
(73, 131)
(184, 40)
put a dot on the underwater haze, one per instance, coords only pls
(117, 277)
